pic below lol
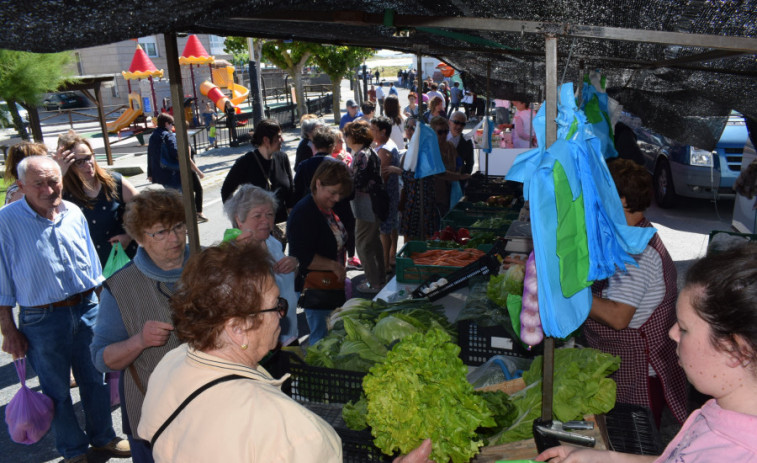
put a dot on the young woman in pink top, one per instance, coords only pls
(716, 335)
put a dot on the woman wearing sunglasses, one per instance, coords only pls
(227, 312)
(133, 330)
(100, 194)
(443, 182)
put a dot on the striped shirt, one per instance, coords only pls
(640, 287)
(44, 261)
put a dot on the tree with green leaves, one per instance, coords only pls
(291, 57)
(26, 77)
(337, 62)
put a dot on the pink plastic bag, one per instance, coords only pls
(29, 414)
(113, 379)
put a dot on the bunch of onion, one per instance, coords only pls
(531, 332)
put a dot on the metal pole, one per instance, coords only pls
(486, 114)
(154, 98)
(418, 124)
(551, 114)
(194, 92)
(177, 92)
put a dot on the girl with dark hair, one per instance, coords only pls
(267, 167)
(716, 343)
(392, 111)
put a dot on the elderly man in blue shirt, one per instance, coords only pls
(48, 265)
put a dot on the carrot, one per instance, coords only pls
(447, 257)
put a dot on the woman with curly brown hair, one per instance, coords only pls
(226, 312)
(101, 195)
(133, 329)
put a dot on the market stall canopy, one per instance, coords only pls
(680, 65)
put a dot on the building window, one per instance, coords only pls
(216, 45)
(149, 45)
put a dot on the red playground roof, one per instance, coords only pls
(194, 52)
(142, 66)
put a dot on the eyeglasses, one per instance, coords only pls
(442, 132)
(458, 122)
(282, 306)
(81, 161)
(180, 229)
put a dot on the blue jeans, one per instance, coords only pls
(59, 339)
(318, 323)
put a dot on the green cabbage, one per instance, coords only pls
(392, 328)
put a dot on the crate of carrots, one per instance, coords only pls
(416, 262)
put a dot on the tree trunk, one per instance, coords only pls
(17, 121)
(336, 92)
(299, 92)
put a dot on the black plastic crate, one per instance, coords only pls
(631, 429)
(317, 384)
(324, 391)
(357, 446)
(480, 343)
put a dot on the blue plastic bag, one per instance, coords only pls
(29, 414)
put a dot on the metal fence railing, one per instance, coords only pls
(285, 115)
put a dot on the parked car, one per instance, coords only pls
(684, 170)
(6, 120)
(64, 100)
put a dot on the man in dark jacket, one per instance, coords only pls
(464, 147)
(156, 173)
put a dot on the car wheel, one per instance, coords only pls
(664, 191)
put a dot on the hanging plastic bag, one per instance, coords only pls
(116, 260)
(455, 193)
(112, 379)
(29, 414)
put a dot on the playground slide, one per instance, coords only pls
(239, 94)
(128, 116)
(214, 93)
(224, 77)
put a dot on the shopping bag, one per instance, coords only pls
(116, 260)
(112, 379)
(29, 414)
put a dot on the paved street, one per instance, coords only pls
(684, 230)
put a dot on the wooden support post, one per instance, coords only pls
(177, 98)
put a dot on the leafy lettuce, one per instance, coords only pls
(421, 391)
(581, 387)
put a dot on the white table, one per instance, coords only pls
(500, 160)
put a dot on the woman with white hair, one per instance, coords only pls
(252, 210)
(306, 149)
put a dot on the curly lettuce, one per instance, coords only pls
(421, 391)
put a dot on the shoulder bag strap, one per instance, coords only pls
(133, 372)
(186, 402)
(265, 174)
